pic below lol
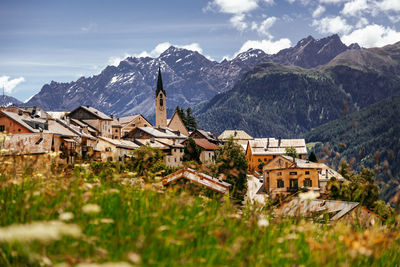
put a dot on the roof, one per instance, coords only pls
(76, 129)
(152, 142)
(22, 120)
(84, 124)
(93, 111)
(236, 134)
(116, 123)
(309, 208)
(205, 144)
(160, 86)
(273, 146)
(304, 164)
(208, 135)
(198, 178)
(159, 132)
(120, 143)
(57, 128)
(127, 119)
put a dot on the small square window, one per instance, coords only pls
(307, 172)
(2, 128)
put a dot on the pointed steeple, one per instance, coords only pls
(159, 83)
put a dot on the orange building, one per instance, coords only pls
(285, 175)
(261, 151)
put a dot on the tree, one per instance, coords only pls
(145, 157)
(191, 151)
(291, 151)
(312, 157)
(232, 166)
(358, 187)
(190, 120)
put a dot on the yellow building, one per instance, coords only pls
(285, 175)
(261, 151)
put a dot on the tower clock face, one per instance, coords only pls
(161, 108)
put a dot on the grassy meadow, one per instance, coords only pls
(52, 215)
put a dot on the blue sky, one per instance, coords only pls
(41, 40)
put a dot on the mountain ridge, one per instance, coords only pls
(189, 78)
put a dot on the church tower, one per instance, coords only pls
(161, 103)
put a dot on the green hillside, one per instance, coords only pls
(369, 137)
(276, 100)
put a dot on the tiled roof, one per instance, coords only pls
(205, 144)
(236, 134)
(272, 146)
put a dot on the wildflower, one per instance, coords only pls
(91, 209)
(40, 231)
(87, 186)
(262, 222)
(66, 216)
(105, 264)
(308, 195)
(134, 257)
(106, 220)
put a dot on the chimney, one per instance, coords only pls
(112, 116)
(19, 112)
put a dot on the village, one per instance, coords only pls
(86, 133)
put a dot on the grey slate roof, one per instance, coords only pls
(308, 208)
(272, 146)
(95, 112)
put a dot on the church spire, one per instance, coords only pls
(159, 83)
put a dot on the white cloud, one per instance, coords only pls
(318, 12)
(238, 22)
(332, 1)
(161, 47)
(89, 28)
(232, 6)
(362, 22)
(265, 26)
(372, 36)
(389, 5)
(8, 84)
(355, 7)
(330, 25)
(268, 46)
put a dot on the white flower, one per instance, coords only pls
(134, 257)
(105, 264)
(41, 231)
(308, 195)
(91, 209)
(262, 222)
(66, 216)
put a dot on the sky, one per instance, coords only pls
(46, 40)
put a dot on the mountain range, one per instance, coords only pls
(288, 101)
(9, 101)
(189, 78)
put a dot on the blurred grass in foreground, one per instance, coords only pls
(109, 215)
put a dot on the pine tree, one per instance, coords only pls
(312, 157)
(191, 124)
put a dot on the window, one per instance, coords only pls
(307, 182)
(161, 101)
(294, 184)
(2, 128)
(259, 160)
(293, 173)
(19, 130)
(279, 174)
(280, 183)
(116, 130)
(145, 125)
(307, 172)
(265, 159)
